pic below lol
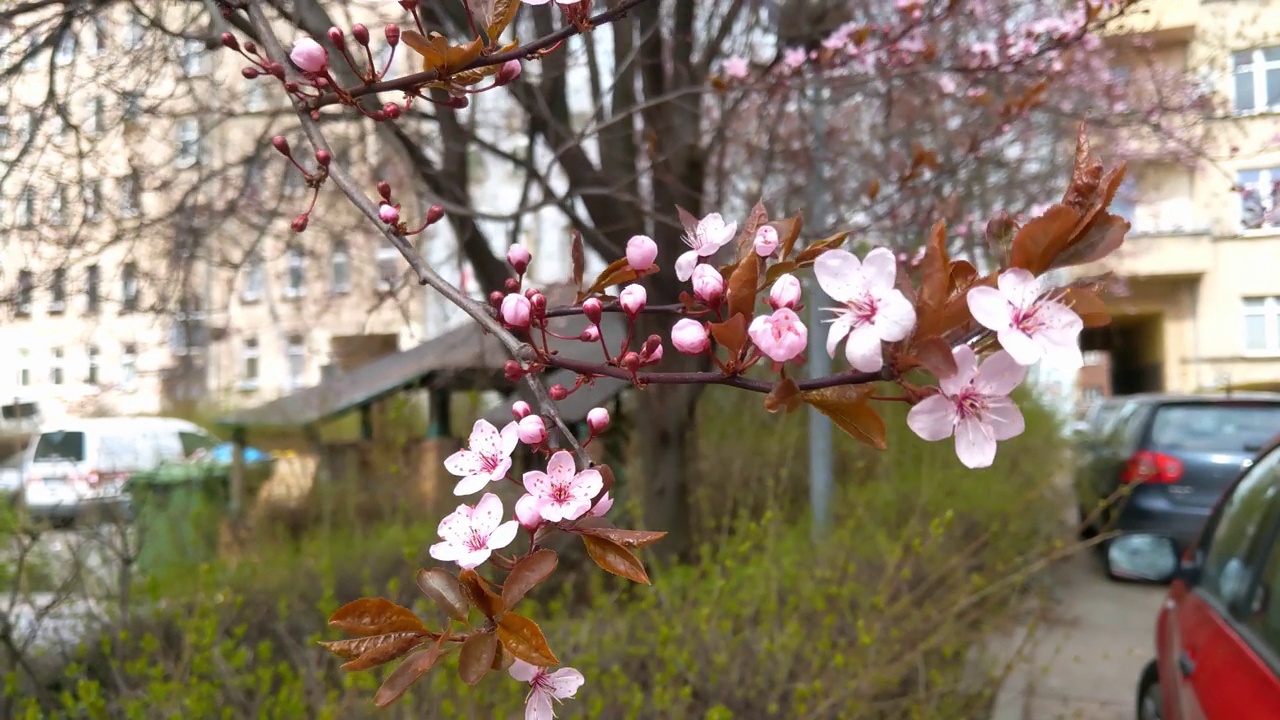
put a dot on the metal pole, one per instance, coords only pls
(820, 453)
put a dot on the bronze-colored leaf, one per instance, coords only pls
(467, 78)
(811, 253)
(578, 259)
(731, 334)
(409, 672)
(1040, 241)
(606, 474)
(523, 638)
(375, 616)
(438, 55)
(616, 274)
(935, 268)
(848, 408)
(477, 656)
(873, 189)
(442, 587)
(778, 269)
(788, 232)
(526, 575)
(1102, 238)
(482, 596)
(747, 236)
(500, 15)
(1089, 306)
(741, 296)
(999, 234)
(502, 660)
(372, 647)
(935, 355)
(786, 394)
(625, 538)
(963, 275)
(614, 558)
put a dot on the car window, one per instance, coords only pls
(1220, 427)
(193, 442)
(1232, 536)
(1263, 616)
(64, 446)
(1125, 429)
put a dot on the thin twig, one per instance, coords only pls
(589, 369)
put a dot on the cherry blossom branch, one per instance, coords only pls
(614, 307)
(590, 369)
(417, 80)
(520, 351)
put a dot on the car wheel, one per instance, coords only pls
(1149, 693)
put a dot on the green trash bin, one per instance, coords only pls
(178, 512)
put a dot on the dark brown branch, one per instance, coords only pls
(588, 369)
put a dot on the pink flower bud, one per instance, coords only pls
(384, 189)
(281, 145)
(630, 361)
(766, 241)
(323, 157)
(509, 71)
(633, 298)
(539, 304)
(435, 214)
(290, 86)
(277, 70)
(389, 214)
(785, 292)
(708, 284)
(392, 110)
(309, 55)
(360, 33)
(495, 298)
(336, 37)
(409, 5)
(299, 223)
(229, 41)
(592, 309)
(516, 310)
(531, 430)
(529, 292)
(690, 337)
(651, 356)
(590, 334)
(558, 392)
(527, 513)
(597, 420)
(250, 73)
(512, 371)
(393, 34)
(641, 252)
(511, 285)
(378, 115)
(602, 506)
(518, 257)
(250, 48)
(520, 409)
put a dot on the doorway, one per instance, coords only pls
(1134, 345)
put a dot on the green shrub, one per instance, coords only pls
(877, 621)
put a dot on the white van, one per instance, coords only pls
(77, 466)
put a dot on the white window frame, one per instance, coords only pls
(129, 367)
(1258, 67)
(93, 374)
(29, 124)
(95, 115)
(130, 289)
(1267, 178)
(296, 262)
(194, 59)
(57, 210)
(58, 286)
(341, 257)
(57, 369)
(26, 291)
(58, 129)
(25, 210)
(255, 279)
(91, 194)
(23, 375)
(296, 350)
(65, 52)
(134, 32)
(250, 350)
(5, 137)
(97, 38)
(1267, 308)
(187, 153)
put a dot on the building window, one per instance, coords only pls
(4, 127)
(129, 290)
(340, 268)
(255, 97)
(389, 270)
(26, 207)
(55, 366)
(1262, 325)
(130, 195)
(255, 278)
(26, 287)
(58, 291)
(91, 192)
(33, 51)
(95, 115)
(188, 142)
(58, 131)
(92, 290)
(193, 57)
(1259, 198)
(129, 366)
(132, 106)
(97, 38)
(1257, 79)
(24, 367)
(92, 377)
(65, 53)
(297, 286)
(249, 364)
(29, 127)
(133, 32)
(297, 359)
(58, 206)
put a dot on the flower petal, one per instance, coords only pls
(1005, 418)
(523, 671)
(880, 268)
(538, 705)
(587, 484)
(505, 533)
(863, 349)
(933, 418)
(685, 264)
(574, 508)
(473, 558)
(990, 308)
(446, 551)
(1019, 286)
(552, 510)
(999, 374)
(975, 443)
(537, 483)
(1020, 346)
(565, 682)
(471, 484)
(499, 472)
(464, 462)
(485, 439)
(839, 275)
(895, 317)
(487, 515)
(456, 525)
(840, 327)
(561, 467)
(510, 438)
(966, 369)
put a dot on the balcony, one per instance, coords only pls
(1157, 255)
(1164, 21)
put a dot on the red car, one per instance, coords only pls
(1218, 633)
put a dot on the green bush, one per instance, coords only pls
(879, 620)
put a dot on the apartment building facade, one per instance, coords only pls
(147, 259)
(1200, 305)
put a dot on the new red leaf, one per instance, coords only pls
(616, 559)
(408, 673)
(524, 639)
(375, 616)
(526, 575)
(477, 657)
(442, 587)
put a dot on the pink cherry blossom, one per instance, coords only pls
(389, 214)
(973, 405)
(527, 512)
(518, 257)
(562, 493)
(690, 336)
(766, 241)
(737, 67)
(641, 252)
(545, 686)
(1029, 324)
(486, 459)
(704, 240)
(597, 420)
(531, 430)
(632, 299)
(708, 284)
(309, 55)
(785, 292)
(793, 58)
(520, 409)
(781, 336)
(873, 309)
(470, 534)
(602, 506)
(516, 310)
